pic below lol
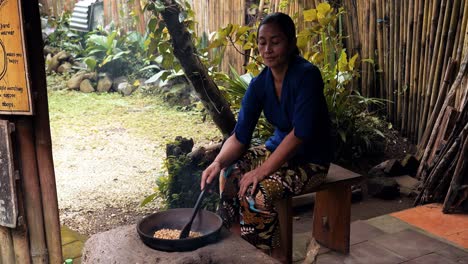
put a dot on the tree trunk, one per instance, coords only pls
(196, 72)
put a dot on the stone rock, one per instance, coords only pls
(410, 164)
(62, 56)
(74, 82)
(407, 184)
(104, 84)
(123, 245)
(378, 170)
(64, 67)
(393, 168)
(52, 64)
(117, 81)
(50, 50)
(86, 86)
(125, 89)
(383, 187)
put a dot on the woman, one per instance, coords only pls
(290, 93)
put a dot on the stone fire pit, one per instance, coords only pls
(123, 245)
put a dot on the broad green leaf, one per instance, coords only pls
(310, 15)
(323, 9)
(302, 41)
(242, 30)
(90, 62)
(352, 62)
(343, 61)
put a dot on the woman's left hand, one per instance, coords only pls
(250, 178)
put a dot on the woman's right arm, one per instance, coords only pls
(231, 151)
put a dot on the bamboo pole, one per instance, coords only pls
(439, 56)
(21, 245)
(20, 234)
(457, 32)
(452, 27)
(430, 133)
(365, 46)
(396, 60)
(380, 47)
(463, 32)
(407, 74)
(372, 43)
(7, 254)
(42, 151)
(31, 190)
(401, 63)
(387, 40)
(431, 32)
(423, 65)
(415, 65)
(433, 61)
(457, 179)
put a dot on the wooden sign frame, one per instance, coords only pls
(8, 201)
(15, 92)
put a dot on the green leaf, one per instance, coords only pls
(343, 61)
(310, 15)
(90, 62)
(352, 62)
(323, 9)
(159, 6)
(148, 199)
(342, 135)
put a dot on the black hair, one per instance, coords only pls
(286, 25)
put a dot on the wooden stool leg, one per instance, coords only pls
(284, 209)
(332, 216)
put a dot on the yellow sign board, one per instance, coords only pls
(15, 94)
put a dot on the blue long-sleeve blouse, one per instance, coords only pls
(301, 106)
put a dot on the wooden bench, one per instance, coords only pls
(332, 212)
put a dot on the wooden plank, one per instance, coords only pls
(15, 95)
(332, 217)
(8, 203)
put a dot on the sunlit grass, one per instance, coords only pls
(143, 116)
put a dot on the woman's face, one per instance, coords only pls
(273, 46)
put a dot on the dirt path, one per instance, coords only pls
(108, 152)
(101, 186)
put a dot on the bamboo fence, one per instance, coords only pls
(404, 45)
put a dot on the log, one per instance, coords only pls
(456, 185)
(195, 70)
(423, 148)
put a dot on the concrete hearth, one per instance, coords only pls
(122, 245)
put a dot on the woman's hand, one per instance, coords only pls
(210, 173)
(250, 178)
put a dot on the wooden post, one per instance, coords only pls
(329, 229)
(42, 148)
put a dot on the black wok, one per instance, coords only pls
(207, 223)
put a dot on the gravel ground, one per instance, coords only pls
(101, 185)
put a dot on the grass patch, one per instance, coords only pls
(148, 117)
